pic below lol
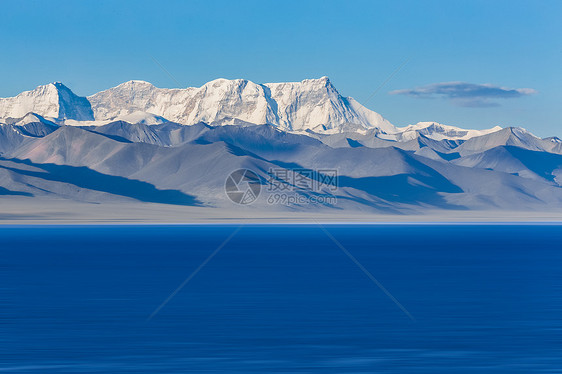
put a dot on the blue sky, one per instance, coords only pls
(508, 45)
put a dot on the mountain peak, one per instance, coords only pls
(52, 100)
(323, 79)
(223, 82)
(312, 104)
(135, 83)
(51, 86)
(61, 87)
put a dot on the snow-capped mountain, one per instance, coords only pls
(438, 131)
(313, 104)
(143, 143)
(53, 100)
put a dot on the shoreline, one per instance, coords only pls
(73, 213)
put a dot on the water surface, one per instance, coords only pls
(485, 299)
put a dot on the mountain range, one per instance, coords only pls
(137, 142)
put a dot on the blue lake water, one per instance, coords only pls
(281, 299)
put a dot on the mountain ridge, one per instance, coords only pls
(311, 105)
(178, 146)
(394, 177)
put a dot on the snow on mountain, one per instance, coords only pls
(135, 118)
(137, 141)
(27, 119)
(313, 104)
(511, 136)
(438, 131)
(53, 100)
(142, 118)
(15, 131)
(313, 107)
